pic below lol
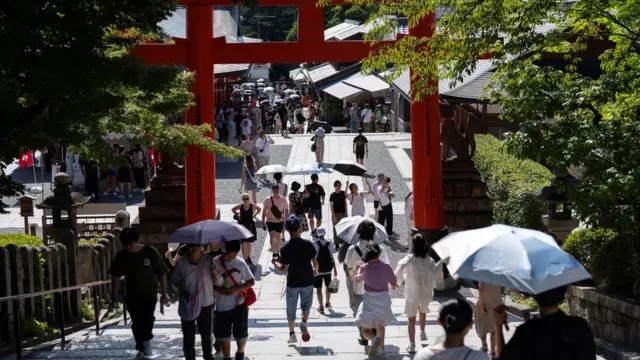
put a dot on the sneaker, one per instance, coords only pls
(292, 338)
(411, 348)
(363, 342)
(305, 332)
(423, 336)
(484, 348)
(147, 350)
(375, 346)
(327, 305)
(218, 354)
(321, 309)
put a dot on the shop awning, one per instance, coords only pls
(370, 83)
(341, 90)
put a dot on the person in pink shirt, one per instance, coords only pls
(275, 211)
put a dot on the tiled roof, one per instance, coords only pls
(316, 73)
(346, 26)
(350, 28)
(224, 24)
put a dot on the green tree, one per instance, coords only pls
(67, 78)
(595, 123)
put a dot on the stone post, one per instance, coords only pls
(6, 308)
(48, 253)
(27, 281)
(16, 275)
(38, 283)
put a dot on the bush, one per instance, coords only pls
(512, 184)
(612, 266)
(20, 239)
(92, 242)
(584, 244)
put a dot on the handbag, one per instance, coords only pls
(249, 295)
(274, 209)
(313, 147)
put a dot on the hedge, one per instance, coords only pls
(512, 184)
(585, 243)
(18, 239)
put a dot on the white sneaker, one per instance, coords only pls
(148, 351)
(375, 346)
(411, 348)
(293, 339)
(107, 193)
(423, 336)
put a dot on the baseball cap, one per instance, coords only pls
(292, 223)
(321, 232)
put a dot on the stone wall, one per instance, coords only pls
(613, 319)
(28, 269)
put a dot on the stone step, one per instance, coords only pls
(165, 195)
(161, 212)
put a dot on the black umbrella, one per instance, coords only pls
(349, 168)
(317, 124)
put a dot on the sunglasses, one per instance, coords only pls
(245, 199)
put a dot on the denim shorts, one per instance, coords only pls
(306, 300)
(315, 213)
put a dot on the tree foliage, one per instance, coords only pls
(66, 77)
(594, 101)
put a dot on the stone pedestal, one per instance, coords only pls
(466, 204)
(561, 228)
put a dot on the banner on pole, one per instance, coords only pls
(26, 159)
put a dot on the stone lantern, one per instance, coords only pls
(559, 219)
(63, 205)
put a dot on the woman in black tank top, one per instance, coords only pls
(244, 214)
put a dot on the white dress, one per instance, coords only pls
(421, 276)
(357, 202)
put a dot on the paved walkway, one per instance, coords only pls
(333, 335)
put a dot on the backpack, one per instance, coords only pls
(274, 209)
(189, 306)
(325, 259)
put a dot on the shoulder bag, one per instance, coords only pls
(249, 295)
(274, 209)
(189, 307)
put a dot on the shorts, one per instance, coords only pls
(232, 324)
(376, 203)
(411, 308)
(317, 282)
(359, 154)
(275, 227)
(306, 300)
(315, 213)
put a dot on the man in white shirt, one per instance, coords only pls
(263, 145)
(385, 215)
(256, 117)
(247, 127)
(373, 189)
(367, 119)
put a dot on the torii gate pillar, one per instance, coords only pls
(427, 165)
(200, 165)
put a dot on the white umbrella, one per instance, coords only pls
(272, 169)
(347, 229)
(250, 85)
(294, 96)
(289, 91)
(305, 169)
(526, 260)
(260, 81)
(209, 231)
(269, 89)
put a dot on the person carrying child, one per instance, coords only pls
(375, 310)
(326, 264)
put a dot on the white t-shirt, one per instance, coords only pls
(263, 145)
(246, 127)
(437, 352)
(138, 159)
(241, 273)
(366, 115)
(383, 194)
(357, 202)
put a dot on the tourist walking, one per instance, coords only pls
(124, 173)
(296, 206)
(247, 127)
(326, 265)
(247, 177)
(319, 142)
(138, 168)
(263, 145)
(378, 118)
(375, 310)
(275, 210)
(192, 277)
(314, 194)
(560, 336)
(367, 119)
(419, 274)
(357, 200)
(456, 318)
(385, 217)
(338, 203)
(360, 147)
(353, 118)
(373, 189)
(234, 278)
(244, 214)
(112, 181)
(247, 146)
(284, 188)
(489, 298)
(237, 120)
(145, 274)
(298, 261)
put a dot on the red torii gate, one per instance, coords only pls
(200, 51)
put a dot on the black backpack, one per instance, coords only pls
(325, 259)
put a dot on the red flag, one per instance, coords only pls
(152, 157)
(158, 156)
(26, 159)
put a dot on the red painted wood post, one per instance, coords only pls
(425, 144)
(200, 165)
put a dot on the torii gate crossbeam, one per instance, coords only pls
(200, 51)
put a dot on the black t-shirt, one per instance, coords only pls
(237, 118)
(298, 254)
(316, 192)
(141, 269)
(338, 200)
(360, 141)
(552, 337)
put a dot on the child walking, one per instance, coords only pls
(375, 310)
(326, 264)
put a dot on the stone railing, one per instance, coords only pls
(27, 269)
(613, 319)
